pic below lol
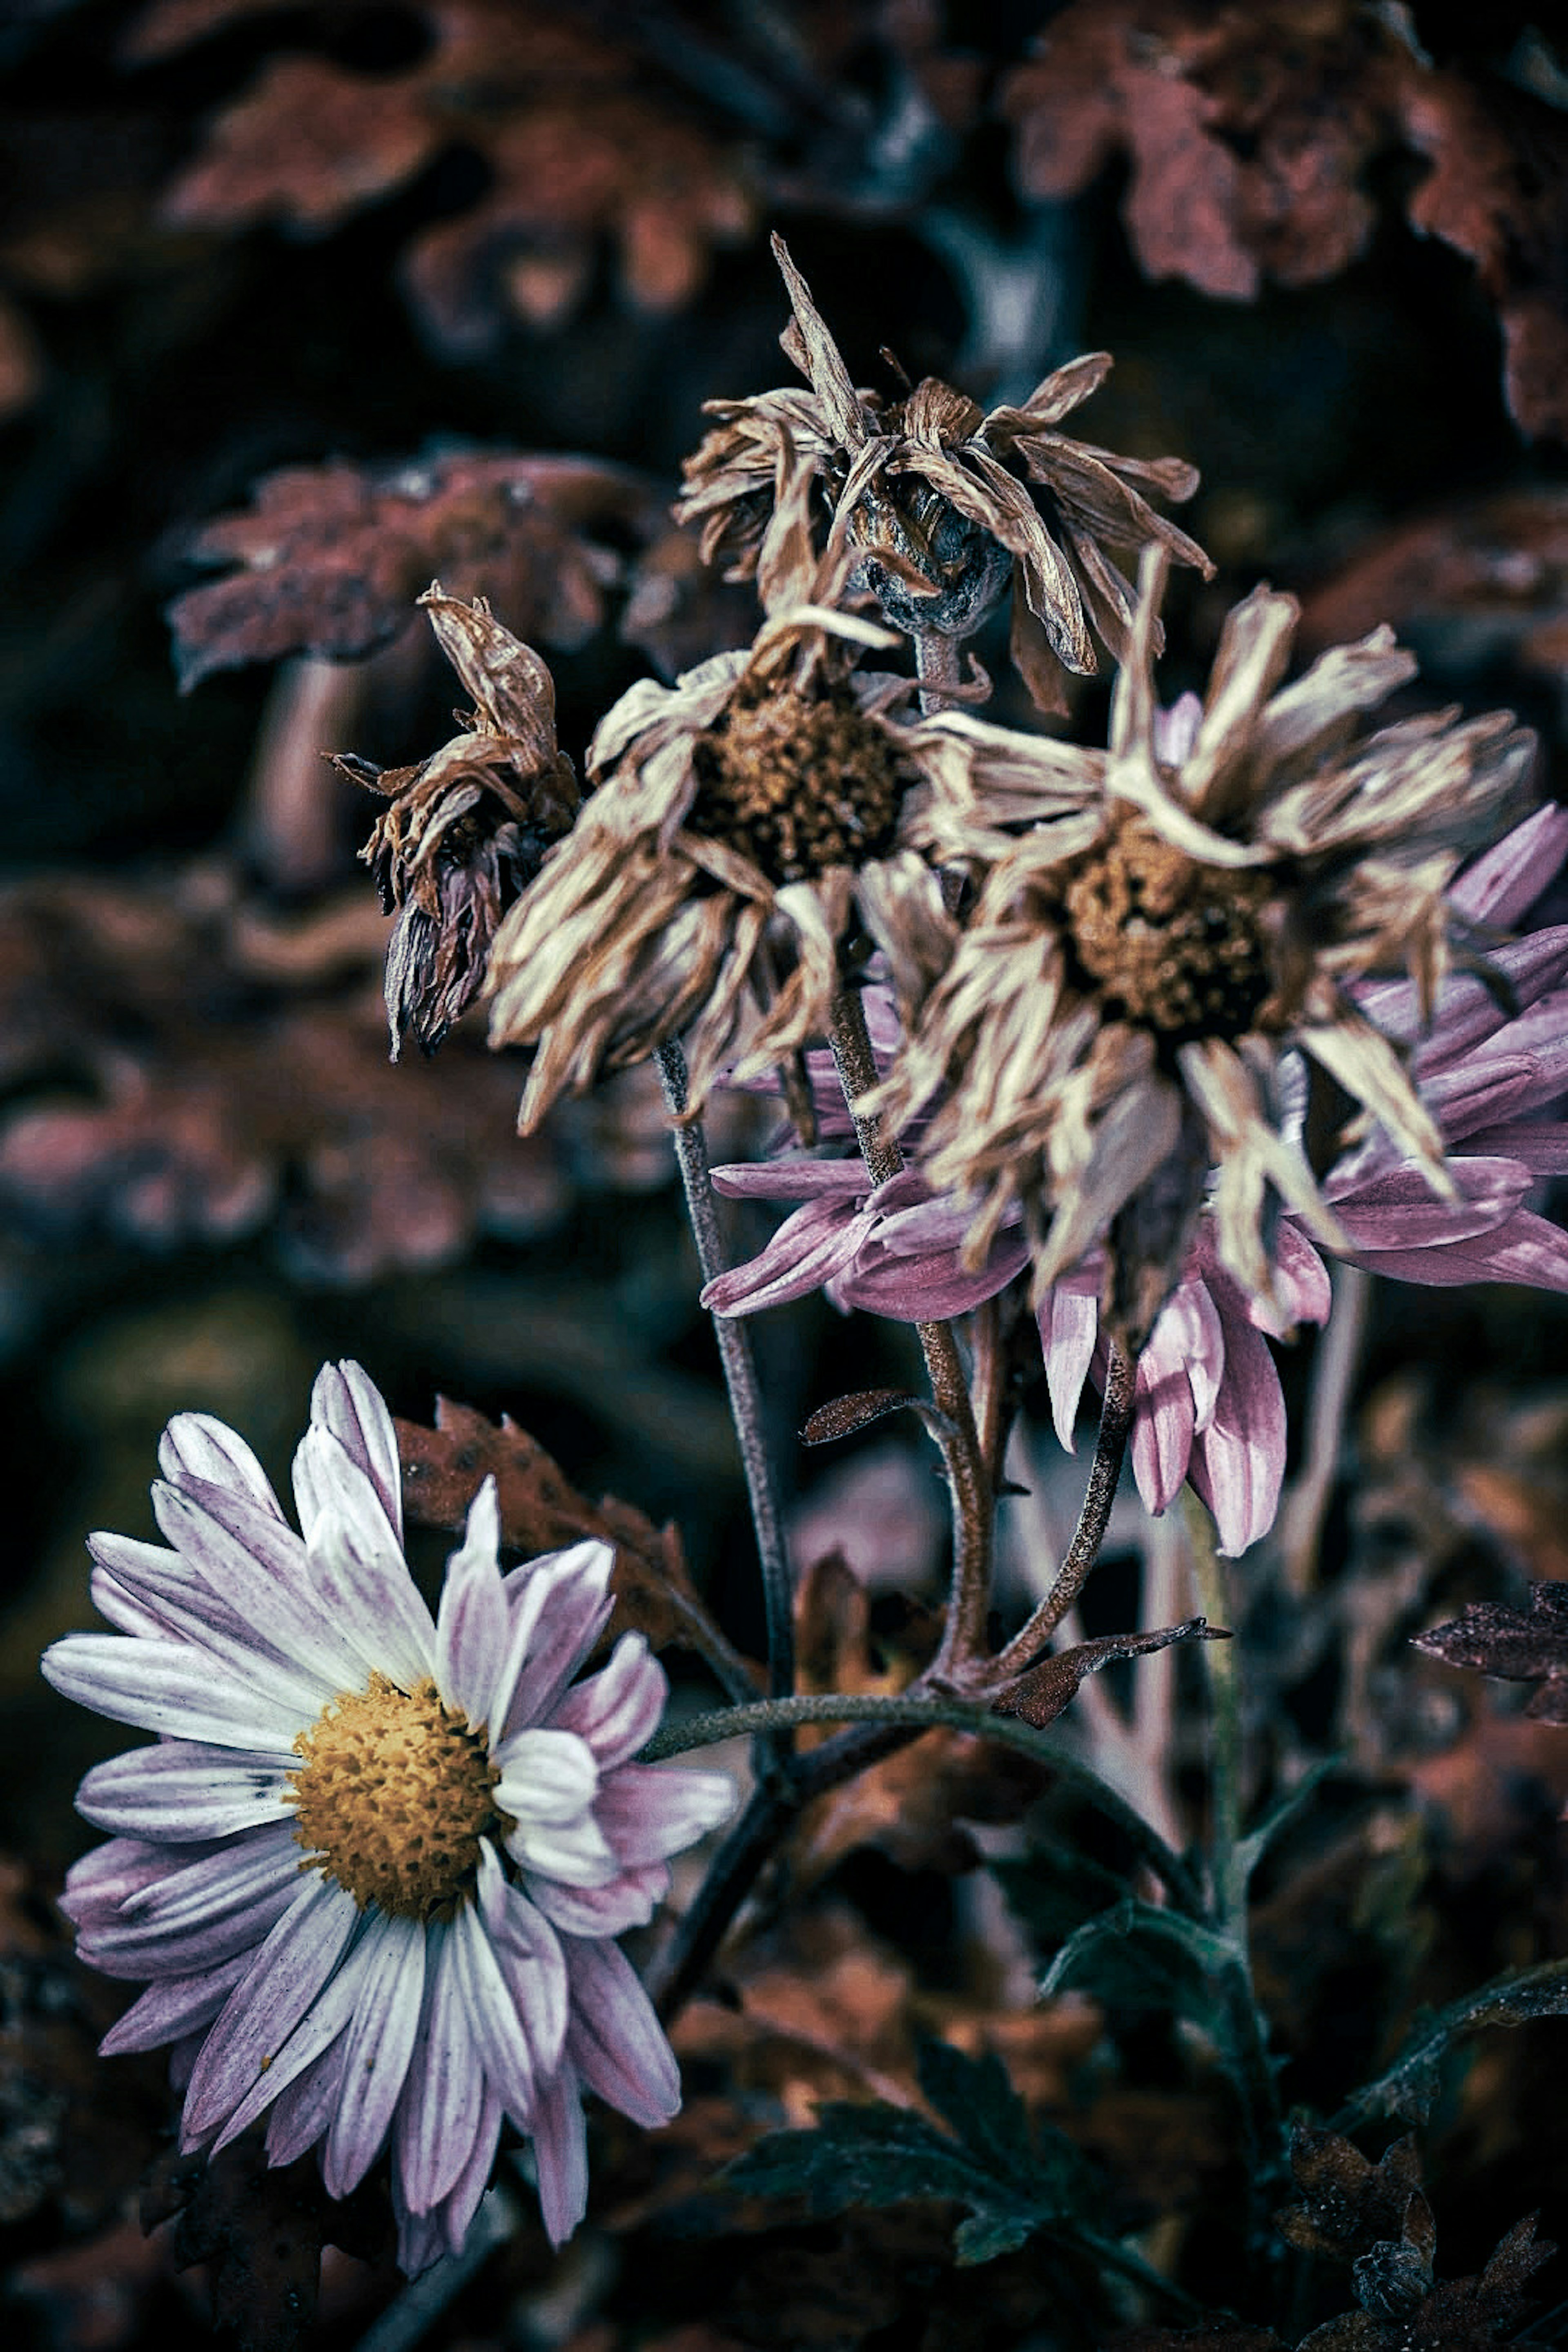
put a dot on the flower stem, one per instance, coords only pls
(1333, 1379)
(973, 1503)
(1105, 1472)
(919, 1710)
(938, 663)
(740, 1378)
(1227, 1874)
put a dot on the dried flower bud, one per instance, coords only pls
(468, 828)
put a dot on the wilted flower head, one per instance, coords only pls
(1116, 1023)
(925, 492)
(468, 826)
(1207, 1401)
(374, 1867)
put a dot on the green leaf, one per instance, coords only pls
(1135, 1957)
(1013, 2180)
(1055, 1891)
(1253, 1847)
(1409, 2087)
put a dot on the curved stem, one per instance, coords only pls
(740, 1378)
(972, 1508)
(1105, 1472)
(925, 1711)
(730, 1876)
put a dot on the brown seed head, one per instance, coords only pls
(798, 785)
(1170, 945)
(393, 1793)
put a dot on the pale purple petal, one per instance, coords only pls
(615, 2040)
(1238, 1462)
(1304, 1280)
(358, 1564)
(184, 1790)
(443, 2106)
(548, 1778)
(627, 1901)
(1398, 1211)
(650, 1810)
(474, 1625)
(346, 1400)
(200, 1914)
(791, 1180)
(1467, 1011)
(1505, 882)
(458, 2208)
(575, 1852)
(302, 2112)
(617, 1710)
(571, 1594)
(1541, 1147)
(180, 2005)
(329, 2015)
(195, 1447)
(1526, 1249)
(912, 1289)
(1484, 1088)
(291, 1968)
(380, 2042)
(811, 1246)
(168, 1687)
(491, 2013)
(99, 1883)
(421, 2240)
(1164, 1414)
(1174, 732)
(251, 1569)
(561, 2155)
(529, 1952)
(1069, 1326)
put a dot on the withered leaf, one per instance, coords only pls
(541, 1510)
(846, 1414)
(262, 2229)
(578, 138)
(330, 558)
(1456, 2316)
(1516, 1645)
(1040, 1695)
(1346, 2202)
(1409, 2087)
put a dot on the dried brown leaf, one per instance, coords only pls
(541, 1510)
(1346, 2202)
(330, 558)
(1456, 2316)
(1515, 1645)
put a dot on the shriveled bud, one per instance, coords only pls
(467, 828)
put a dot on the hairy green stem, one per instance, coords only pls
(740, 1378)
(974, 1509)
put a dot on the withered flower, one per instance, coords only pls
(1173, 997)
(468, 828)
(925, 491)
(750, 824)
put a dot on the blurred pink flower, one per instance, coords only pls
(1208, 1400)
(475, 1831)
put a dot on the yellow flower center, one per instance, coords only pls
(1172, 944)
(797, 785)
(393, 1793)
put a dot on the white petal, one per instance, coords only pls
(546, 1776)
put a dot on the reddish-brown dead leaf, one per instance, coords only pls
(1516, 1645)
(541, 1510)
(1346, 2202)
(330, 558)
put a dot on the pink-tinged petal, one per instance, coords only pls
(1164, 1415)
(443, 2106)
(548, 1778)
(302, 2112)
(617, 1710)
(252, 1569)
(807, 1250)
(1485, 1086)
(1304, 1280)
(614, 2040)
(651, 1810)
(195, 1447)
(1174, 730)
(1504, 882)
(791, 1180)
(182, 2056)
(570, 1594)
(627, 1901)
(561, 2155)
(168, 1687)
(359, 1569)
(1526, 1250)
(1548, 1055)
(291, 1968)
(99, 1883)
(575, 1852)
(1398, 1211)
(180, 2005)
(1541, 1146)
(1468, 1012)
(199, 1914)
(1194, 1334)
(474, 1625)
(1069, 1326)
(346, 1400)
(330, 2015)
(910, 1289)
(457, 2209)
(530, 1958)
(380, 2042)
(421, 2241)
(1238, 1463)
(126, 1612)
(182, 1791)
(498, 2036)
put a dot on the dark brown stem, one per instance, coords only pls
(972, 1507)
(740, 1379)
(1105, 1472)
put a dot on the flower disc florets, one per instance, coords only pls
(798, 784)
(1171, 944)
(393, 1796)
